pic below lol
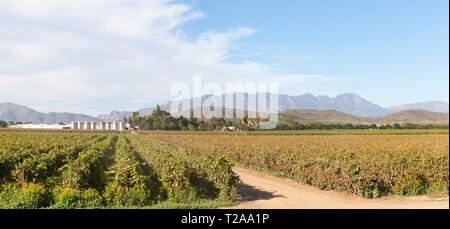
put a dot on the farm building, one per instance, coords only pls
(83, 125)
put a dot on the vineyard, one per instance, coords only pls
(107, 170)
(163, 169)
(370, 165)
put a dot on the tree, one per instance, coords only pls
(410, 126)
(191, 127)
(136, 115)
(3, 124)
(182, 122)
(172, 126)
(157, 112)
(244, 120)
(202, 126)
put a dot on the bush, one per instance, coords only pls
(26, 196)
(410, 186)
(437, 188)
(7, 192)
(116, 195)
(69, 198)
(224, 178)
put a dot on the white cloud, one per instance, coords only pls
(30, 52)
(71, 85)
(128, 52)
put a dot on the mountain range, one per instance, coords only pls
(14, 112)
(331, 116)
(348, 103)
(435, 106)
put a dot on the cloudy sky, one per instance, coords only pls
(95, 56)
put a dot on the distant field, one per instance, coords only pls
(54, 130)
(260, 132)
(306, 132)
(402, 162)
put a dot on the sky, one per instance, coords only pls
(95, 56)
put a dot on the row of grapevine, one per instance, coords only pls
(27, 157)
(188, 173)
(92, 170)
(87, 170)
(367, 165)
(50, 170)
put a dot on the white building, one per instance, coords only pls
(86, 125)
(41, 126)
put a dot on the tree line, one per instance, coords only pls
(294, 125)
(162, 120)
(4, 124)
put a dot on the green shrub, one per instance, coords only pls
(437, 188)
(224, 178)
(7, 192)
(25, 196)
(69, 198)
(116, 195)
(410, 186)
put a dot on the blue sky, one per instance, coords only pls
(125, 54)
(390, 52)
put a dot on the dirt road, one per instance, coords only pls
(261, 191)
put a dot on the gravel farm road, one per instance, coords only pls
(262, 191)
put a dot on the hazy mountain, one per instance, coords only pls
(115, 116)
(14, 112)
(330, 116)
(323, 116)
(415, 116)
(435, 106)
(348, 103)
(119, 115)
